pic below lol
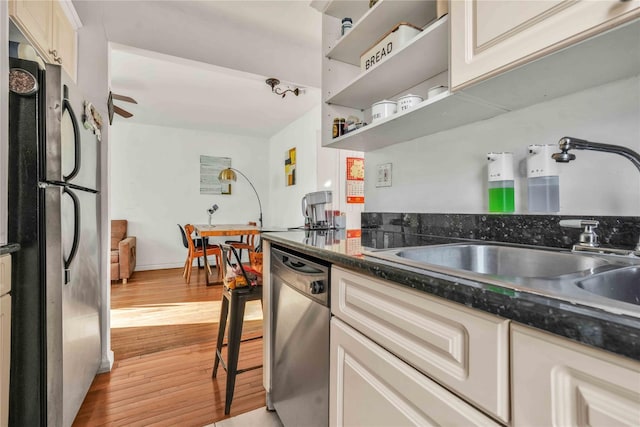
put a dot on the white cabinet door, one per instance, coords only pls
(371, 387)
(63, 41)
(557, 382)
(492, 36)
(5, 337)
(5, 357)
(47, 27)
(463, 349)
(33, 17)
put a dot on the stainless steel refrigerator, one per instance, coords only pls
(54, 215)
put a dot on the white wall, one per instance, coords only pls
(446, 172)
(93, 81)
(284, 202)
(317, 169)
(155, 180)
(332, 175)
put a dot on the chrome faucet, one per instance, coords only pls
(570, 143)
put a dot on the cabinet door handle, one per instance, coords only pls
(56, 58)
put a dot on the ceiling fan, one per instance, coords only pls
(115, 109)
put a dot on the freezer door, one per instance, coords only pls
(80, 298)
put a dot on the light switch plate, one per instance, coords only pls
(384, 175)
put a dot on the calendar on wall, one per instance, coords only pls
(355, 180)
(354, 245)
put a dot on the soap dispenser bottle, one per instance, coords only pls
(501, 183)
(543, 181)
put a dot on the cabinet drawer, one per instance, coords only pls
(562, 383)
(461, 348)
(370, 386)
(5, 356)
(5, 273)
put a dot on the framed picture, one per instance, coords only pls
(210, 168)
(290, 167)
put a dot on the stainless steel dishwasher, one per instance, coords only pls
(300, 331)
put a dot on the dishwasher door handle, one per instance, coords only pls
(297, 266)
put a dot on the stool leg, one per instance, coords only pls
(224, 310)
(233, 346)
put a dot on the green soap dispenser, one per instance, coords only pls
(501, 183)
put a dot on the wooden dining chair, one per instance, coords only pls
(197, 252)
(197, 242)
(249, 244)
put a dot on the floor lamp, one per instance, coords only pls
(229, 174)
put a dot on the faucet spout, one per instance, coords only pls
(570, 143)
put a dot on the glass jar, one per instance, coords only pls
(338, 126)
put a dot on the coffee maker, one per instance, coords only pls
(317, 212)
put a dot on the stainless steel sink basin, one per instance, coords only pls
(608, 282)
(498, 260)
(622, 285)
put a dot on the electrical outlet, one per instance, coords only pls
(384, 175)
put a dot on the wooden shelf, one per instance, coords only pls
(445, 111)
(376, 22)
(547, 78)
(426, 56)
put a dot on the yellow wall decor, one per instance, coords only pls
(290, 167)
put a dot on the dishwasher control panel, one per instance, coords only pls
(308, 276)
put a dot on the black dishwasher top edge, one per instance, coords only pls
(616, 333)
(9, 248)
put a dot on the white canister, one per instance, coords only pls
(383, 109)
(408, 101)
(436, 90)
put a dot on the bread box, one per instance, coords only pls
(392, 41)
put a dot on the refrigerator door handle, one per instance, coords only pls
(76, 235)
(66, 106)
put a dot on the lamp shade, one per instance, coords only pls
(227, 175)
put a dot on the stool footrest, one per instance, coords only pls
(248, 369)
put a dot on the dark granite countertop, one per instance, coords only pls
(619, 334)
(10, 248)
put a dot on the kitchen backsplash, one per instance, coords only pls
(380, 230)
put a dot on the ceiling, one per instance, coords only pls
(203, 64)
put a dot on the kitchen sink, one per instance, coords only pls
(498, 260)
(608, 282)
(622, 285)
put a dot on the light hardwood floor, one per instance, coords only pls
(163, 334)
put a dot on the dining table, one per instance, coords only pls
(221, 230)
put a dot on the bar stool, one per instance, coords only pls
(233, 306)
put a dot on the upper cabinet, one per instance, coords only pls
(491, 56)
(47, 27)
(64, 41)
(489, 37)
